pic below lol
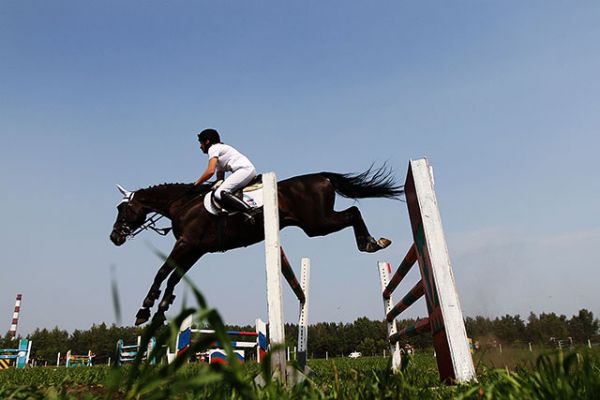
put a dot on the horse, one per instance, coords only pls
(305, 201)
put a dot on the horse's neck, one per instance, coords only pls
(160, 198)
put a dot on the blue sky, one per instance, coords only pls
(502, 97)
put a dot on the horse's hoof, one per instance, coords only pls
(383, 243)
(372, 246)
(142, 316)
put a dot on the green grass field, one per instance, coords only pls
(573, 375)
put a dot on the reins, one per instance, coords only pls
(150, 224)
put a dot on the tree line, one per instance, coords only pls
(334, 339)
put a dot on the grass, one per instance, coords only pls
(555, 375)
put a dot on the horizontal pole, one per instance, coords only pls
(239, 345)
(405, 266)
(421, 326)
(231, 333)
(241, 333)
(413, 295)
(290, 277)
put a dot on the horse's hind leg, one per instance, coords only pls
(338, 220)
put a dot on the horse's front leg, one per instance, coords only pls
(174, 279)
(181, 256)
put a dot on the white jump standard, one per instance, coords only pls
(276, 262)
(445, 321)
(127, 353)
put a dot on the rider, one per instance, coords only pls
(221, 158)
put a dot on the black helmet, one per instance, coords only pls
(209, 134)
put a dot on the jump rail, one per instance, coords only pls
(75, 360)
(445, 321)
(218, 355)
(126, 353)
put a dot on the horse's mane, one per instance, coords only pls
(173, 190)
(169, 185)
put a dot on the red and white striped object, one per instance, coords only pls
(15, 320)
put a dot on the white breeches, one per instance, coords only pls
(235, 181)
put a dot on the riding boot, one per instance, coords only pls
(233, 203)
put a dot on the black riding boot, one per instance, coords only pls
(233, 203)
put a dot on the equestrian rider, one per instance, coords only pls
(222, 158)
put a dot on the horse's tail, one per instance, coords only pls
(371, 183)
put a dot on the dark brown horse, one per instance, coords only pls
(304, 201)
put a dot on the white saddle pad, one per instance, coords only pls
(253, 198)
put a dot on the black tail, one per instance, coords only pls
(371, 183)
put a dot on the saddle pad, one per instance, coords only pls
(253, 198)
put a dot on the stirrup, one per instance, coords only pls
(248, 217)
(251, 213)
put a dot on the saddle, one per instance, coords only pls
(253, 185)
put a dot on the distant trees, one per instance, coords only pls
(336, 339)
(538, 329)
(100, 339)
(583, 326)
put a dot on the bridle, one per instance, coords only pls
(150, 224)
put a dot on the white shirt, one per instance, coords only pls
(228, 158)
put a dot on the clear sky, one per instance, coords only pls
(503, 98)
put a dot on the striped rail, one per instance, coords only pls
(218, 355)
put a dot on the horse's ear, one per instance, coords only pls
(124, 192)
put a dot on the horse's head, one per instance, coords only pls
(131, 215)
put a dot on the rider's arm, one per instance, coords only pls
(220, 175)
(210, 171)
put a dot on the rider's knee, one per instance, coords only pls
(217, 194)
